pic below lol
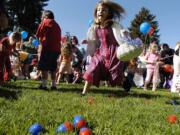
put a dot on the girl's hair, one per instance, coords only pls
(178, 43)
(16, 36)
(66, 49)
(153, 46)
(115, 12)
(75, 39)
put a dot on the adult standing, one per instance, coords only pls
(167, 58)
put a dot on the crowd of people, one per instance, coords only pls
(61, 57)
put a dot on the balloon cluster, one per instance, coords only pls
(79, 123)
(24, 35)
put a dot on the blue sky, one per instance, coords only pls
(74, 15)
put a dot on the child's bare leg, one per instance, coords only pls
(86, 87)
(145, 85)
(154, 86)
(58, 77)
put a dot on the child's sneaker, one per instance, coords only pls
(43, 87)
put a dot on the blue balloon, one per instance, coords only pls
(61, 129)
(24, 34)
(91, 22)
(35, 129)
(35, 42)
(9, 32)
(145, 27)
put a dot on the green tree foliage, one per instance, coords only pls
(144, 15)
(24, 14)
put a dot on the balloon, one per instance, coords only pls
(151, 31)
(69, 126)
(85, 131)
(9, 32)
(79, 122)
(35, 129)
(24, 34)
(66, 126)
(145, 27)
(91, 22)
(61, 129)
(35, 42)
(168, 68)
(172, 119)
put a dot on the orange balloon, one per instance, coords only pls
(172, 119)
(168, 68)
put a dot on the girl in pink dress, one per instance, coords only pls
(103, 40)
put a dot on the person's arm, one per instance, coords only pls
(42, 30)
(8, 65)
(1, 47)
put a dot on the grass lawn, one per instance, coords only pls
(108, 111)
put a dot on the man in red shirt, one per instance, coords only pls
(49, 33)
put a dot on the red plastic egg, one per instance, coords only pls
(85, 131)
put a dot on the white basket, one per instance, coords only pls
(126, 52)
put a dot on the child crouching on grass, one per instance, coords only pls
(7, 46)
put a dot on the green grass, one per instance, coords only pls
(108, 111)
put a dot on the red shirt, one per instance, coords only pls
(4, 54)
(49, 34)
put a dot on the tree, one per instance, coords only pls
(24, 14)
(144, 16)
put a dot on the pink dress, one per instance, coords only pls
(104, 64)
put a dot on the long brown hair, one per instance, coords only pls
(115, 12)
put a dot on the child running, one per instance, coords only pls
(105, 33)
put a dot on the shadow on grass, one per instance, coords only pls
(9, 94)
(111, 93)
(107, 91)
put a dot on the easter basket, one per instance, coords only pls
(126, 51)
